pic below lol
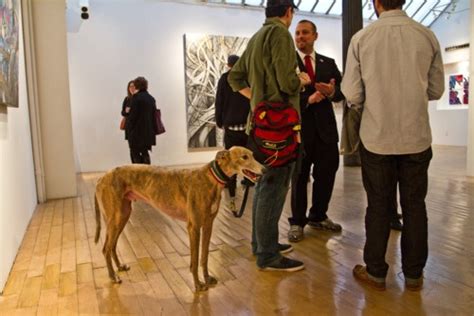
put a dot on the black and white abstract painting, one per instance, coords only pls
(9, 37)
(205, 61)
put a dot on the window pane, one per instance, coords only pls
(367, 9)
(306, 5)
(412, 6)
(336, 8)
(435, 13)
(323, 6)
(422, 12)
(253, 2)
(429, 19)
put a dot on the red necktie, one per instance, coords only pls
(309, 67)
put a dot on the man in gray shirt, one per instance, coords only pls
(393, 69)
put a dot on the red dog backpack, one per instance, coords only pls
(274, 137)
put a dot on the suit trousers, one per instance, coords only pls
(324, 157)
(380, 174)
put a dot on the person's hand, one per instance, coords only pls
(246, 92)
(304, 78)
(316, 97)
(327, 89)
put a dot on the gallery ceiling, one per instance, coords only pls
(423, 11)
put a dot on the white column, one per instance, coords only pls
(52, 82)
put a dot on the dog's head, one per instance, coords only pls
(239, 160)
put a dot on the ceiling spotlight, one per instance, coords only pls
(84, 9)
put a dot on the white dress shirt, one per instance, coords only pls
(393, 68)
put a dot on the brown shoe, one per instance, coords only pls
(414, 284)
(361, 274)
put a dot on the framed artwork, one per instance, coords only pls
(205, 59)
(9, 37)
(458, 89)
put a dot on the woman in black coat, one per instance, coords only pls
(141, 124)
(127, 102)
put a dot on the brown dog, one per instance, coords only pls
(191, 195)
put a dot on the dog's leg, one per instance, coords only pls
(206, 239)
(111, 238)
(194, 236)
(107, 251)
(126, 211)
(97, 219)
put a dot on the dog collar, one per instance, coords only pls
(218, 174)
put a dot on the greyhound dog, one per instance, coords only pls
(191, 195)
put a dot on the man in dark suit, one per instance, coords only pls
(320, 137)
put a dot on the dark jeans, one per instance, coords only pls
(269, 197)
(234, 138)
(380, 174)
(394, 205)
(325, 158)
(140, 155)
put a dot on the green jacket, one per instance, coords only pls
(268, 66)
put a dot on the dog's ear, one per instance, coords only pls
(222, 155)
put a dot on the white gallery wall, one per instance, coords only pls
(17, 180)
(449, 127)
(125, 38)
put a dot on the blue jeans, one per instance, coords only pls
(269, 197)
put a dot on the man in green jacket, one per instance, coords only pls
(267, 72)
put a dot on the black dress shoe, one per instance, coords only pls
(395, 224)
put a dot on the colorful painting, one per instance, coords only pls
(9, 36)
(458, 89)
(205, 62)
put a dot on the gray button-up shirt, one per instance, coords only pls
(393, 68)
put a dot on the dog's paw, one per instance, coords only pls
(210, 280)
(201, 287)
(123, 267)
(115, 279)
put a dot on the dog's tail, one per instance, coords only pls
(97, 219)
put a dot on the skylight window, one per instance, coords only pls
(423, 11)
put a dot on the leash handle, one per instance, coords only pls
(244, 202)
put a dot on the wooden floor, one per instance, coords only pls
(60, 271)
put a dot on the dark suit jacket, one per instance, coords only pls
(319, 118)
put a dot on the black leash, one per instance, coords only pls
(244, 202)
